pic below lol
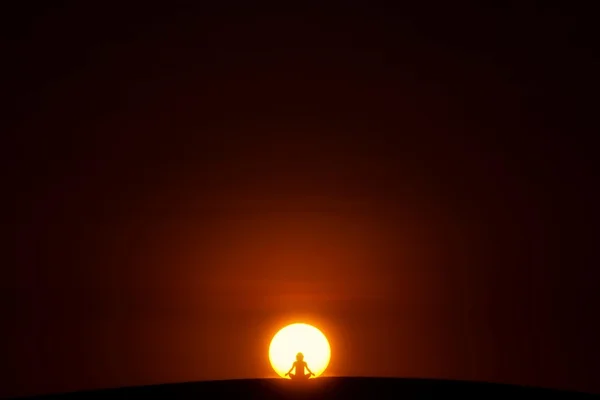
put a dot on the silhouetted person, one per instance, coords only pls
(299, 365)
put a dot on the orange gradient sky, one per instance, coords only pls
(186, 182)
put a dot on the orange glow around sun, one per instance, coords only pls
(299, 338)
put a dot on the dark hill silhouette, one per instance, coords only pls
(325, 388)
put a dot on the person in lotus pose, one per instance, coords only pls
(299, 365)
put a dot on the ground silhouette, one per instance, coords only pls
(325, 388)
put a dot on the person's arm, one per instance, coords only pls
(293, 365)
(308, 369)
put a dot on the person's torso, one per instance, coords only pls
(300, 367)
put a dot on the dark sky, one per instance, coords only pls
(419, 183)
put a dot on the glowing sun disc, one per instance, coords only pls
(299, 338)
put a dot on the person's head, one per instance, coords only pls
(299, 356)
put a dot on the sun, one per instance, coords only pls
(299, 338)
